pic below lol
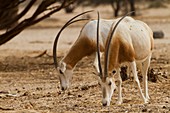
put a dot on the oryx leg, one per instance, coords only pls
(145, 67)
(129, 71)
(119, 80)
(136, 80)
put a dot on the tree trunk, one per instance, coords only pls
(132, 7)
(8, 11)
(117, 9)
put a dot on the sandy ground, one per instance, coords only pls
(29, 84)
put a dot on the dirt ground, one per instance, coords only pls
(29, 83)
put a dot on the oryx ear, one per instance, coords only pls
(62, 67)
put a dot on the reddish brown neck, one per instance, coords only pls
(82, 47)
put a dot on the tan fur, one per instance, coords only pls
(81, 48)
(121, 52)
(125, 46)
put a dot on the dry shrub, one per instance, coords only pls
(157, 4)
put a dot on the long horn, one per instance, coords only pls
(98, 47)
(108, 45)
(58, 35)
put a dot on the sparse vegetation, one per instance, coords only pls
(157, 4)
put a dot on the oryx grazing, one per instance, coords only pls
(85, 45)
(129, 41)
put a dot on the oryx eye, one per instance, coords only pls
(60, 72)
(113, 71)
(110, 83)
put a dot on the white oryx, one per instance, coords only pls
(131, 42)
(85, 45)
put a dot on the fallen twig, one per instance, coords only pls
(3, 108)
(41, 54)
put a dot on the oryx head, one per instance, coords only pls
(65, 71)
(65, 75)
(107, 83)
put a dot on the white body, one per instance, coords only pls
(85, 45)
(132, 42)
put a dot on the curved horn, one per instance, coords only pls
(108, 45)
(98, 47)
(58, 35)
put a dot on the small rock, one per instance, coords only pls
(165, 76)
(144, 110)
(164, 107)
(79, 95)
(59, 92)
(84, 88)
(69, 93)
(26, 93)
(152, 76)
(158, 34)
(38, 88)
(75, 105)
